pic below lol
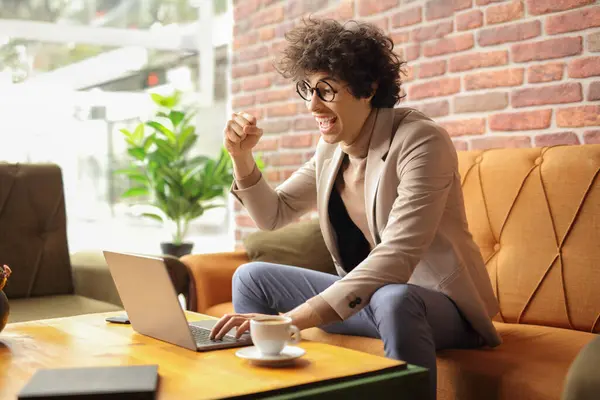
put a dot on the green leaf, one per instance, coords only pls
(125, 132)
(158, 99)
(188, 141)
(176, 117)
(135, 192)
(164, 130)
(148, 142)
(165, 149)
(137, 153)
(138, 134)
(153, 216)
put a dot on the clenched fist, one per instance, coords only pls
(241, 134)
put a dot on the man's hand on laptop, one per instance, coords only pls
(230, 321)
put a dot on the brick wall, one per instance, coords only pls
(494, 73)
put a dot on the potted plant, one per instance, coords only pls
(175, 187)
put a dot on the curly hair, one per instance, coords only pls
(356, 52)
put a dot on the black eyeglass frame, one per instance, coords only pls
(313, 89)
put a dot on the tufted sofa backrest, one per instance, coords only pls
(535, 214)
(33, 234)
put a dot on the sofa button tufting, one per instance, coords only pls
(479, 159)
(538, 160)
(497, 247)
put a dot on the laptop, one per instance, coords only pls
(153, 308)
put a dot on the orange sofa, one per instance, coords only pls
(535, 213)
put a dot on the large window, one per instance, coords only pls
(68, 89)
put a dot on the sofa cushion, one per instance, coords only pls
(534, 214)
(300, 244)
(33, 238)
(55, 307)
(531, 364)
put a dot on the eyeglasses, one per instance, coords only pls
(323, 89)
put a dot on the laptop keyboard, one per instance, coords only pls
(202, 336)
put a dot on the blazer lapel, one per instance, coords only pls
(378, 149)
(329, 173)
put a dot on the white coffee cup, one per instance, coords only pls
(270, 334)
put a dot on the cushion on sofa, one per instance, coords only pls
(44, 307)
(531, 364)
(300, 244)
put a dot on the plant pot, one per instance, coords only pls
(176, 250)
(4, 310)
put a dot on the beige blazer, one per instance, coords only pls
(415, 213)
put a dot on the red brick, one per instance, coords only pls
(469, 20)
(236, 87)
(466, 62)
(501, 142)
(474, 126)
(273, 175)
(343, 12)
(252, 54)
(521, 121)
(273, 95)
(242, 101)
(433, 68)
(266, 67)
(370, 7)
(286, 173)
(573, 117)
(555, 139)
(493, 79)
(545, 72)
(413, 52)
(500, 13)
(282, 29)
(434, 88)
(305, 123)
(244, 41)
(410, 73)
(400, 37)
(242, 26)
(268, 16)
(238, 71)
(509, 33)
(460, 145)
(245, 9)
(258, 113)
(481, 102)
(573, 21)
(296, 8)
(555, 94)
(275, 126)
(244, 221)
(282, 111)
(449, 45)
(594, 91)
(267, 143)
(593, 41)
(408, 17)
(250, 84)
(584, 67)
(547, 49)
(591, 137)
(277, 47)
(436, 9)
(486, 2)
(429, 32)
(296, 141)
(266, 34)
(434, 109)
(381, 23)
(537, 7)
(280, 159)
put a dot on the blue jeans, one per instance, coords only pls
(412, 321)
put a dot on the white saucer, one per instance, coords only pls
(288, 354)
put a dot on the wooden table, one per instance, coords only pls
(88, 340)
